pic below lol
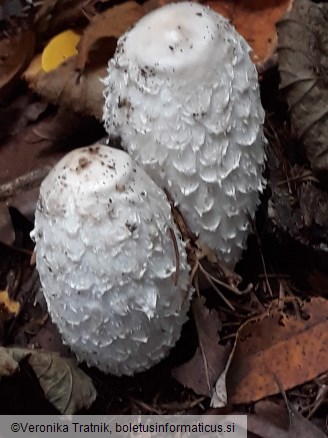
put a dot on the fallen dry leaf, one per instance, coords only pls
(272, 412)
(64, 87)
(111, 23)
(27, 158)
(270, 422)
(10, 8)
(201, 372)
(293, 350)
(255, 20)
(16, 52)
(23, 110)
(48, 338)
(67, 387)
(303, 57)
(55, 15)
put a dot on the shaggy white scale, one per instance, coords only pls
(182, 94)
(107, 262)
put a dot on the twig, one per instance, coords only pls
(200, 343)
(145, 406)
(258, 240)
(226, 285)
(24, 182)
(322, 397)
(176, 406)
(177, 257)
(217, 290)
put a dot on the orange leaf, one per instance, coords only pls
(255, 20)
(294, 350)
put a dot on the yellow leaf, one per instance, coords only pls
(9, 305)
(60, 48)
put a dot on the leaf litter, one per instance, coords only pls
(279, 345)
(16, 52)
(67, 387)
(202, 371)
(297, 426)
(283, 341)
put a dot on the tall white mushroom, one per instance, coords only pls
(182, 94)
(111, 261)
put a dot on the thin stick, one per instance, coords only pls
(177, 257)
(27, 181)
(226, 285)
(215, 288)
(201, 346)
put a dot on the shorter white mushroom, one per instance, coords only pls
(111, 261)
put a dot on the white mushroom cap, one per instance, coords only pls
(182, 94)
(107, 262)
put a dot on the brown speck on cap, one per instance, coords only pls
(120, 188)
(93, 150)
(83, 163)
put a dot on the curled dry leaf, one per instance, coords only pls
(67, 387)
(303, 66)
(111, 23)
(298, 205)
(201, 372)
(255, 20)
(270, 422)
(23, 165)
(10, 8)
(16, 52)
(52, 16)
(293, 350)
(64, 87)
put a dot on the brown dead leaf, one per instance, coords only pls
(27, 158)
(303, 57)
(150, 5)
(111, 23)
(22, 167)
(273, 413)
(67, 387)
(64, 87)
(55, 15)
(16, 52)
(318, 281)
(201, 372)
(21, 111)
(271, 421)
(49, 339)
(10, 8)
(255, 20)
(293, 350)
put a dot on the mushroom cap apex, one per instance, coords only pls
(172, 39)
